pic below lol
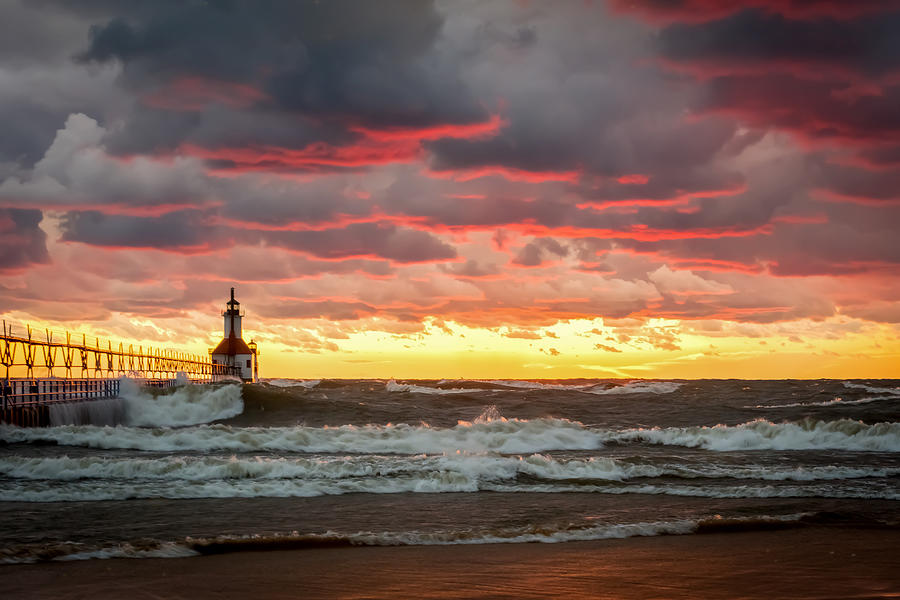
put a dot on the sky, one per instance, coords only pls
(497, 189)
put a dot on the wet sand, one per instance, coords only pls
(789, 564)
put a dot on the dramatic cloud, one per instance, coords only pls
(22, 242)
(629, 179)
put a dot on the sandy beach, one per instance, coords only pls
(807, 563)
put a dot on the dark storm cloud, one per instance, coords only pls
(35, 32)
(364, 239)
(158, 130)
(696, 11)
(275, 203)
(822, 77)
(850, 241)
(868, 45)
(22, 242)
(545, 145)
(815, 109)
(39, 86)
(600, 109)
(666, 184)
(184, 230)
(27, 131)
(535, 252)
(860, 185)
(882, 156)
(190, 231)
(416, 196)
(470, 268)
(363, 63)
(325, 309)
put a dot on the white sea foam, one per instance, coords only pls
(532, 534)
(536, 385)
(880, 394)
(632, 387)
(432, 483)
(511, 436)
(709, 491)
(187, 405)
(164, 550)
(476, 467)
(105, 478)
(203, 468)
(537, 533)
(393, 386)
(833, 402)
(289, 383)
(871, 389)
(69, 551)
(640, 387)
(506, 436)
(844, 434)
(197, 546)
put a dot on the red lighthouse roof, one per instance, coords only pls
(231, 346)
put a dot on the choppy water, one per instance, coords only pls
(291, 463)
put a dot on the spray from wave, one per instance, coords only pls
(186, 405)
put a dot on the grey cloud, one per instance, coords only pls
(359, 63)
(326, 309)
(192, 231)
(536, 251)
(868, 43)
(184, 230)
(364, 239)
(470, 268)
(22, 241)
(34, 32)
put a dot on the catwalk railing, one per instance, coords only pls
(48, 367)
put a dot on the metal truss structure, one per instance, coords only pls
(53, 367)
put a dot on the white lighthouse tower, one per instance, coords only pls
(232, 350)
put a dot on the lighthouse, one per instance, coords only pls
(232, 350)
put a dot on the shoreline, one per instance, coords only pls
(814, 562)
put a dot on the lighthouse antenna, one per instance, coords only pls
(232, 294)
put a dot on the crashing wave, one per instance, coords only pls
(843, 434)
(186, 405)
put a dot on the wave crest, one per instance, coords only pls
(511, 436)
(808, 434)
(393, 386)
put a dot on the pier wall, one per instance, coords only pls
(47, 402)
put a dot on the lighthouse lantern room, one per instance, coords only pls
(232, 350)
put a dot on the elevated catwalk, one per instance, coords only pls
(53, 368)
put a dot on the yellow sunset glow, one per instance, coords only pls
(580, 348)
